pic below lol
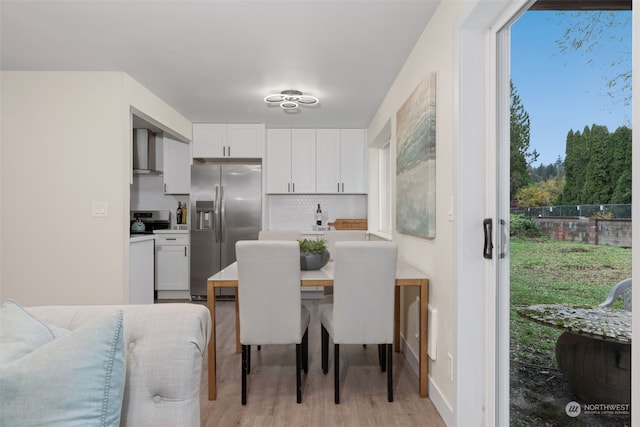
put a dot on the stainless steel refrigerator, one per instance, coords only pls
(226, 206)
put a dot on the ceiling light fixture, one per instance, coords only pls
(290, 99)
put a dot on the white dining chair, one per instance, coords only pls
(279, 235)
(363, 303)
(333, 236)
(270, 305)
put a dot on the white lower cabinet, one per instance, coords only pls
(172, 266)
(141, 271)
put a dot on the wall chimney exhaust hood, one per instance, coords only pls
(145, 153)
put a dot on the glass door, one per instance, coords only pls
(551, 367)
(482, 184)
(501, 235)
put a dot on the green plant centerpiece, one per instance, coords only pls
(313, 254)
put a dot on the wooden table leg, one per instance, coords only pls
(238, 346)
(424, 362)
(396, 321)
(211, 303)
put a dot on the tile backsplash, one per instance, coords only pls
(297, 212)
(147, 192)
(282, 212)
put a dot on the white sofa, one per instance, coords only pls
(165, 345)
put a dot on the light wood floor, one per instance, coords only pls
(271, 397)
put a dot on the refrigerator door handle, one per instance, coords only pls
(216, 214)
(222, 203)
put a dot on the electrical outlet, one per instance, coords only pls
(450, 359)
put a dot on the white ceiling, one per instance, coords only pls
(215, 61)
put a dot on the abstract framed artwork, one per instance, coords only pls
(416, 162)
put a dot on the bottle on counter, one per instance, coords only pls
(319, 216)
(179, 214)
(184, 213)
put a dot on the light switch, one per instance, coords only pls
(100, 209)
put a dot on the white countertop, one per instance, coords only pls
(141, 238)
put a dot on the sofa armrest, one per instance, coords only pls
(165, 345)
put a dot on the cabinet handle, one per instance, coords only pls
(288, 187)
(343, 187)
(229, 150)
(223, 204)
(185, 251)
(171, 238)
(224, 151)
(338, 187)
(165, 187)
(294, 187)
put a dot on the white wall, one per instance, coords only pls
(66, 143)
(433, 52)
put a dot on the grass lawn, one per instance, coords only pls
(548, 272)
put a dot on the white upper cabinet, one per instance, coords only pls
(278, 160)
(353, 143)
(303, 160)
(328, 160)
(177, 167)
(291, 164)
(216, 140)
(341, 161)
(245, 140)
(208, 139)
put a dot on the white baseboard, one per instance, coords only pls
(442, 405)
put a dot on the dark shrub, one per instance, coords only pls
(524, 228)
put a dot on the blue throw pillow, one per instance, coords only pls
(21, 333)
(75, 380)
